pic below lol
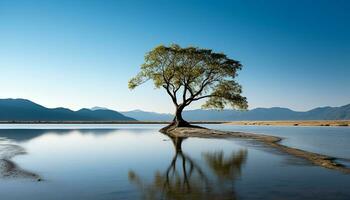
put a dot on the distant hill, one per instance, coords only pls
(98, 108)
(275, 113)
(25, 110)
(148, 116)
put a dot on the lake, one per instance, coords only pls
(331, 141)
(138, 162)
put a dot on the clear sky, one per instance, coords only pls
(76, 54)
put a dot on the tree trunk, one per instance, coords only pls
(178, 121)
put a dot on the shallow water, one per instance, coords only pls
(136, 161)
(332, 141)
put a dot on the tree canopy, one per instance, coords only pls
(190, 74)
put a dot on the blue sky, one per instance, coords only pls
(76, 54)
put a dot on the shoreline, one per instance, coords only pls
(272, 141)
(323, 123)
(343, 123)
(8, 167)
(104, 122)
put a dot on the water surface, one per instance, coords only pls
(332, 141)
(138, 162)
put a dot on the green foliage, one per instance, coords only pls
(191, 74)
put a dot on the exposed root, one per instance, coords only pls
(174, 126)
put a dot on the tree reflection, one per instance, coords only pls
(184, 178)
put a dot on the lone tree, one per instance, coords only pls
(191, 74)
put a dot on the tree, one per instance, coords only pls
(191, 74)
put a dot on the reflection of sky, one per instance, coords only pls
(91, 164)
(73, 150)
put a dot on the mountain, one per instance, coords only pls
(342, 112)
(98, 108)
(275, 113)
(148, 116)
(25, 110)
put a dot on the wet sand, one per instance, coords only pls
(344, 123)
(293, 123)
(8, 168)
(317, 159)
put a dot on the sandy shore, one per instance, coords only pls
(317, 159)
(293, 123)
(344, 123)
(104, 122)
(8, 168)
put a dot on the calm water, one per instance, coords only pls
(332, 141)
(136, 161)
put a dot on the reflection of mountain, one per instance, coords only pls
(9, 147)
(20, 135)
(186, 179)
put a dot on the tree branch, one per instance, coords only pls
(202, 97)
(184, 95)
(171, 95)
(205, 82)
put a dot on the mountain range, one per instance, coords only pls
(148, 116)
(25, 110)
(275, 113)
